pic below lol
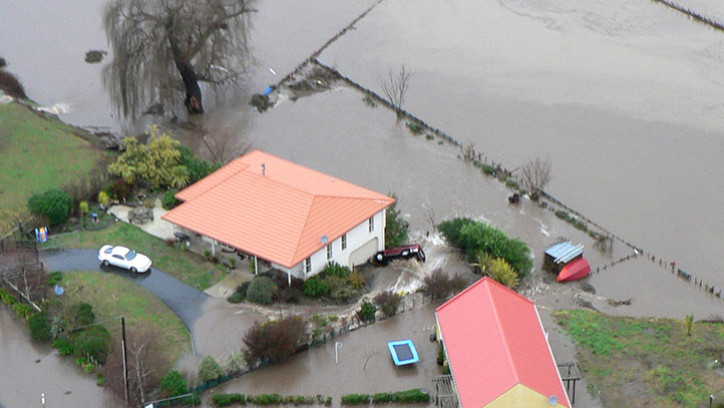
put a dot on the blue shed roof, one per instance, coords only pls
(564, 251)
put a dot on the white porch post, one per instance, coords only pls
(256, 266)
(213, 247)
(289, 277)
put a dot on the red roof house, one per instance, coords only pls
(497, 350)
(294, 217)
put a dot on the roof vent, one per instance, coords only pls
(553, 400)
(263, 169)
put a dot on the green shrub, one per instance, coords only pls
(104, 199)
(388, 301)
(290, 294)
(236, 297)
(315, 287)
(500, 270)
(64, 345)
(356, 399)
(472, 236)
(83, 207)
(415, 127)
(197, 168)
(169, 200)
(489, 170)
(210, 369)
(221, 400)
(334, 269)
(382, 397)
(82, 314)
(100, 380)
(54, 204)
(119, 189)
(268, 399)
(174, 384)
(396, 228)
(93, 341)
(367, 312)
(261, 290)
(40, 327)
(55, 278)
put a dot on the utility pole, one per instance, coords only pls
(125, 355)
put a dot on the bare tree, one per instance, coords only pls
(223, 144)
(395, 87)
(155, 41)
(536, 175)
(146, 366)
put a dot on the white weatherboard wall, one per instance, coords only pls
(356, 237)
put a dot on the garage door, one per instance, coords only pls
(362, 254)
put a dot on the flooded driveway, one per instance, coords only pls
(27, 371)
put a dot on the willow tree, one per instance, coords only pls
(164, 48)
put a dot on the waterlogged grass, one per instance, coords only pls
(37, 153)
(184, 265)
(113, 296)
(635, 362)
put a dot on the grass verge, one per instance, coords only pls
(113, 296)
(36, 153)
(633, 362)
(186, 266)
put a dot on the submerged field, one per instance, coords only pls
(637, 362)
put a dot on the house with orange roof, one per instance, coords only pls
(497, 350)
(295, 218)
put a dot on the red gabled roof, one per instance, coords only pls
(279, 213)
(495, 340)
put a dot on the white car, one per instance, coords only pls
(125, 258)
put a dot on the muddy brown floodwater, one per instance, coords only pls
(27, 371)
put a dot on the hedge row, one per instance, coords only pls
(222, 400)
(21, 309)
(415, 395)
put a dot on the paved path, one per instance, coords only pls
(184, 300)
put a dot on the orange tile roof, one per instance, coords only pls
(280, 215)
(500, 345)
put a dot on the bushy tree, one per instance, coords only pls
(209, 369)
(154, 163)
(500, 270)
(472, 237)
(54, 204)
(197, 168)
(174, 383)
(94, 341)
(40, 327)
(315, 287)
(261, 290)
(388, 301)
(367, 311)
(273, 341)
(395, 226)
(81, 314)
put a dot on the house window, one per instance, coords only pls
(372, 223)
(329, 252)
(308, 266)
(344, 242)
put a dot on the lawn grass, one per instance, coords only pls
(186, 266)
(113, 296)
(633, 362)
(37, 153)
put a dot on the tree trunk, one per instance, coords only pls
(188, 75)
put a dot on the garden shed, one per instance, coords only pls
(559, 255)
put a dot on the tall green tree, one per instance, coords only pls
(154, 163)
(395, 226)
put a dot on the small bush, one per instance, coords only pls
(356, 280)
(64, 345)
(104, 199)
(291, 294)
(367, 312)
(210, 369)
(95, 342)
(55, 278)
(236, 297)
(40, 327)
(356, 399)
(437, 284)
(273, 341)
(54, 204)
(500, 270)
(388, 301)
(415, 127)
(83, 207)
(100, 380)
(82, 314)
(261, 290)
(268, 399)
(335, 269)
(174, 384)
(119, 189)
(315, 287)
(169, 200)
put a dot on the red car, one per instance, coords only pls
(382, 258)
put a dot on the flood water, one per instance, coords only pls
(28, 371)
(624, 97)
